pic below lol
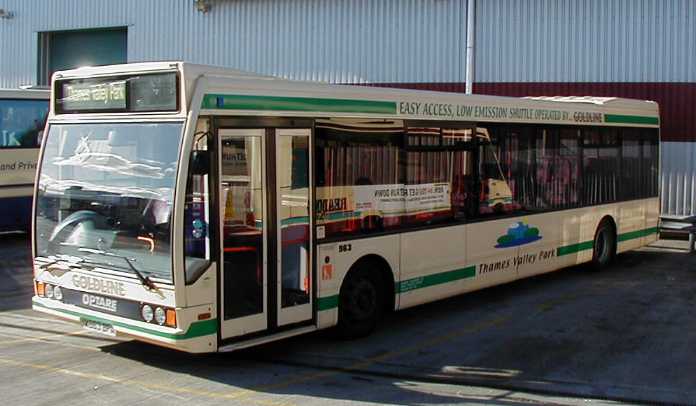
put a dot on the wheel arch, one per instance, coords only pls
(608, 219)
(385, 272)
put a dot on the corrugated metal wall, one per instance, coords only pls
(343, 41)
(586, 41)
(524, 47)
(678, 178)
(361, 41)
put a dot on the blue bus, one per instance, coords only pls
(22, 119)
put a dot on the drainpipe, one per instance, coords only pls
(470, 32)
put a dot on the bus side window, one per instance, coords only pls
(495, 173)
(438, 177)
(22, 122)
(357, 176)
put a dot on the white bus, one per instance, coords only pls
(22, 119)
(206, 209)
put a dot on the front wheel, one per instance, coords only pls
(604, 247)
(360, 304)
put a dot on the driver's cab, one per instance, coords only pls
(160, 217)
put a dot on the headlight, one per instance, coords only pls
(146, 313)
(160, 316)
(49, 291)
(57, 293)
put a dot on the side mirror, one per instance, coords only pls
(200, 163)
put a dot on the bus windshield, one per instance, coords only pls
(105, 193)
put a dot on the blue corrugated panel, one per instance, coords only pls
(586, 41)
(346, 41)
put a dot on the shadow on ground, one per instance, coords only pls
(16, 275)
(625, 334)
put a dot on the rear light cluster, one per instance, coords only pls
(49, 291)
(163, 316)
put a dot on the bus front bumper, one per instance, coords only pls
(197, 337)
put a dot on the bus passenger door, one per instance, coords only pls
(244, 231)
(265, 194)
(293, 175)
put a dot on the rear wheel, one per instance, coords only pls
(360, 303)
(604, 247)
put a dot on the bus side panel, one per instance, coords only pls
(539, 256)
(434, 265)
(492, 251)
(630, 222)
(17, 171)
(579, 228)
(591, 216)
(652, 218)
(574, 231)
(335, 259)
(18, 166)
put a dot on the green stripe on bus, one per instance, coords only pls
(327, 303)
(435, 279)
(294, 220)
(588, 245)
(330, 302)
(637, 234)
(573, 248)
(197, 329)
(624, 119)
(245, 102)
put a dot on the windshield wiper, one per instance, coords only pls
(145, 280)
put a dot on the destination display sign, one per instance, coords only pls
(141, 93)
(94, 95)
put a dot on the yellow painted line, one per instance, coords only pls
(232, 395)
(303, 378)
(49, 341)
(41, 338)
(47, 319)
(246, 394)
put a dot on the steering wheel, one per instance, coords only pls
(66, 227)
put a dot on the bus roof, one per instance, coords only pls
(25, 93)
(239, 92)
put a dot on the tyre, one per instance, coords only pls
(360, 303)
(604, 247)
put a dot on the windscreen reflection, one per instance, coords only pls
(106, 192)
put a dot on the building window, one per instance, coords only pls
(60, 50)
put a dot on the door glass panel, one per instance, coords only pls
(242, 192)
(196, 206)
(292, 179)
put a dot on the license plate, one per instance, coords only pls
(101, 328)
